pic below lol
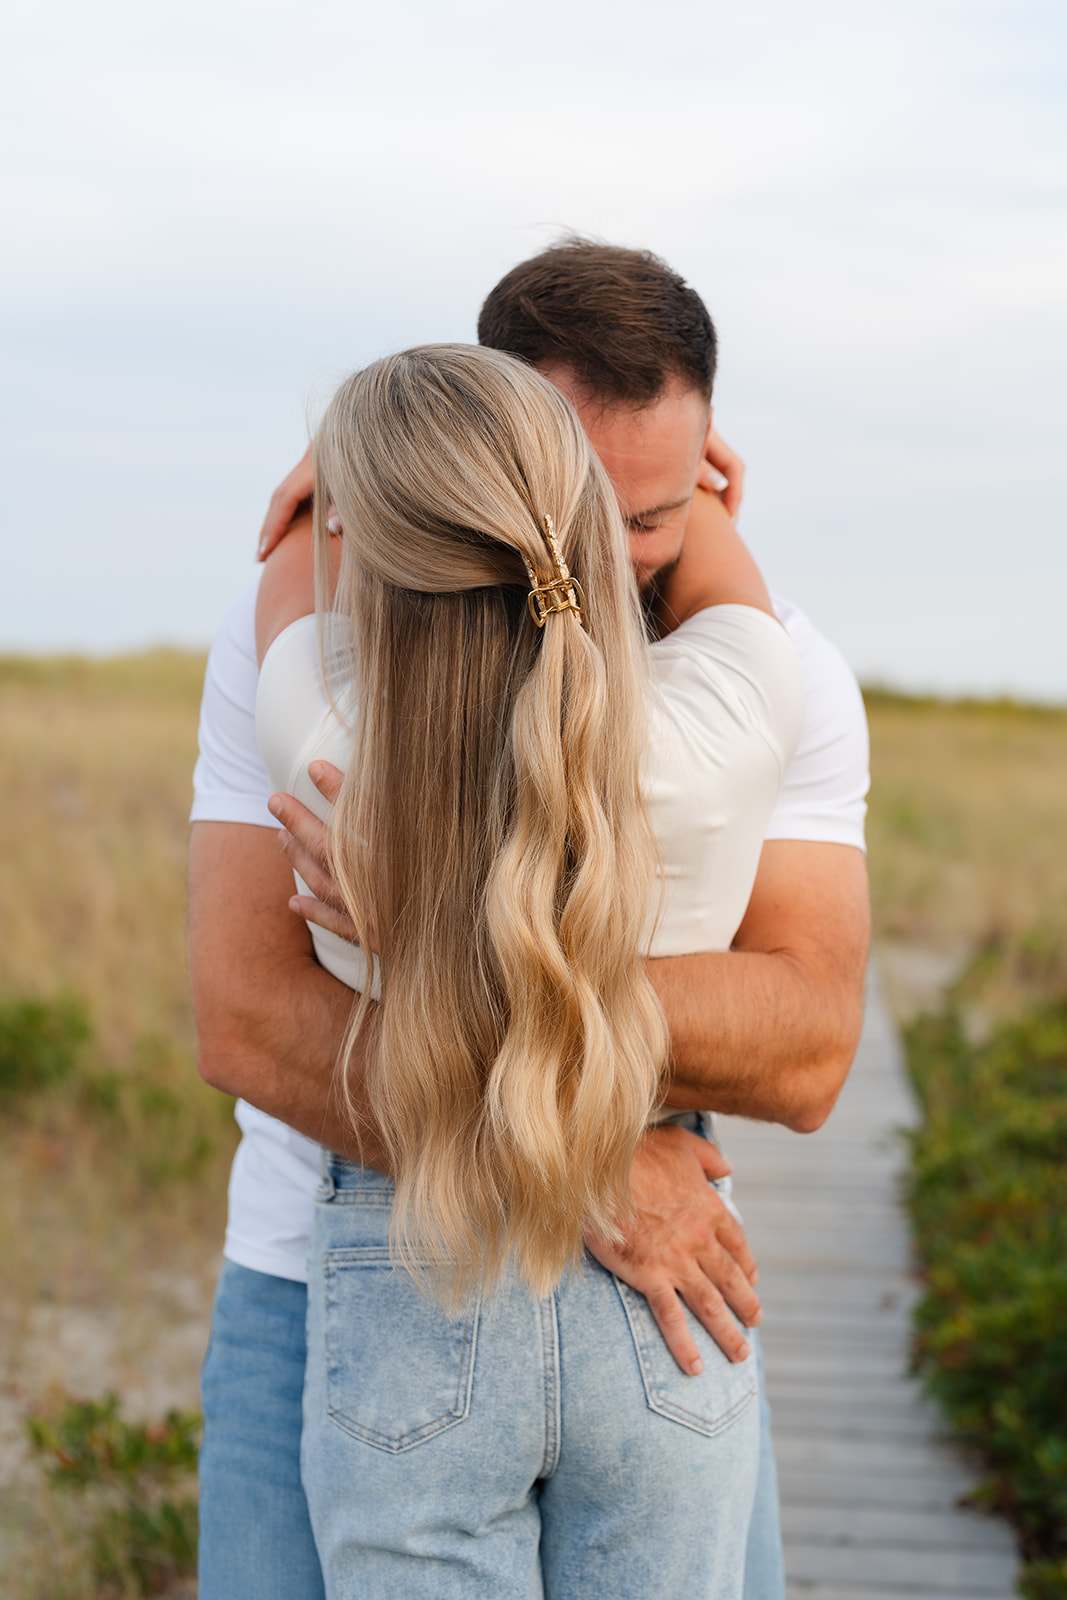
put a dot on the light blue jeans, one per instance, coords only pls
(525, 1448)
(255, 1534)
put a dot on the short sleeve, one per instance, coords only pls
(824, 793)
(230, 782)
(739, 658)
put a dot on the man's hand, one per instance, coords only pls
(292, 496)
(722, 471)
(305, 844)
(683, 1244)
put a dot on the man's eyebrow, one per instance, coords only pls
(657, 511)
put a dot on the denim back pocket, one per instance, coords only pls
(708, 1403)
(398, 1369)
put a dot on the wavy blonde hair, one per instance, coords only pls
(490, 837)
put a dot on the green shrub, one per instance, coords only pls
(168, 1125)
(988, 1197)
(40, 1043)
(141, 1539)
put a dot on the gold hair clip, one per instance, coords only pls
(562, 593)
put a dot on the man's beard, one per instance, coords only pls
(650, 593)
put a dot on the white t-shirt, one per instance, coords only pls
(822, 798)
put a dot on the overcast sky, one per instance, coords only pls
(214, 210)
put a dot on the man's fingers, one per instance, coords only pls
(669, 1313)
(710, 1309)
(711, 1158)
(327, 779)
(303, 826)
(726, 1281)
(307, 867)
(324, 916)
(732, 1238)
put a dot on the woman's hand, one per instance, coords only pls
(292, 496)
(715, 568)
(722, 472)
(683, 1244)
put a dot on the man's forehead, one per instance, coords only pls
(652, 457)
(644, 446)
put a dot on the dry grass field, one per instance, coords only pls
(112, 1191)
(968, 850)
(112, 1183)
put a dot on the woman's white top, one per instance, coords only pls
(726, 710)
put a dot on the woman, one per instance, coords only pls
(479, 1419)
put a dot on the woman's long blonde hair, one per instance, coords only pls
(490, 838)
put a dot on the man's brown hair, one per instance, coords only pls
(620, 319)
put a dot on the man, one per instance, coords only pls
(767, 1030)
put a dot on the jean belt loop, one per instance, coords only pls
(327, 1186)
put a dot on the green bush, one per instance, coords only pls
(40, 1043)
(141, 1539)
(169, 1126)
(988, 1197)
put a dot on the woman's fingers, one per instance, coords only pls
(286, 500)
(710, 478)
(729, 467)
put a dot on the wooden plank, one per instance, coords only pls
(886, 1419)
(875, 1453)
(851, 1590)
(870, 1491)
(825, 1387)
(843, 1487)
(953, 1572)
(913, 1528)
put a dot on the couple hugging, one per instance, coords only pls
(579, 861)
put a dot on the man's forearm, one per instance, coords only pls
(284, 1060)
(271, 1022)
(769, 1029)
(751, 1035)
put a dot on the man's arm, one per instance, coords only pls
(270, 1021)
(769, 1029)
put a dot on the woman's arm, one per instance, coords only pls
(287, 587)
(714, 569)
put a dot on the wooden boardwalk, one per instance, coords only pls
(869, 1489)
